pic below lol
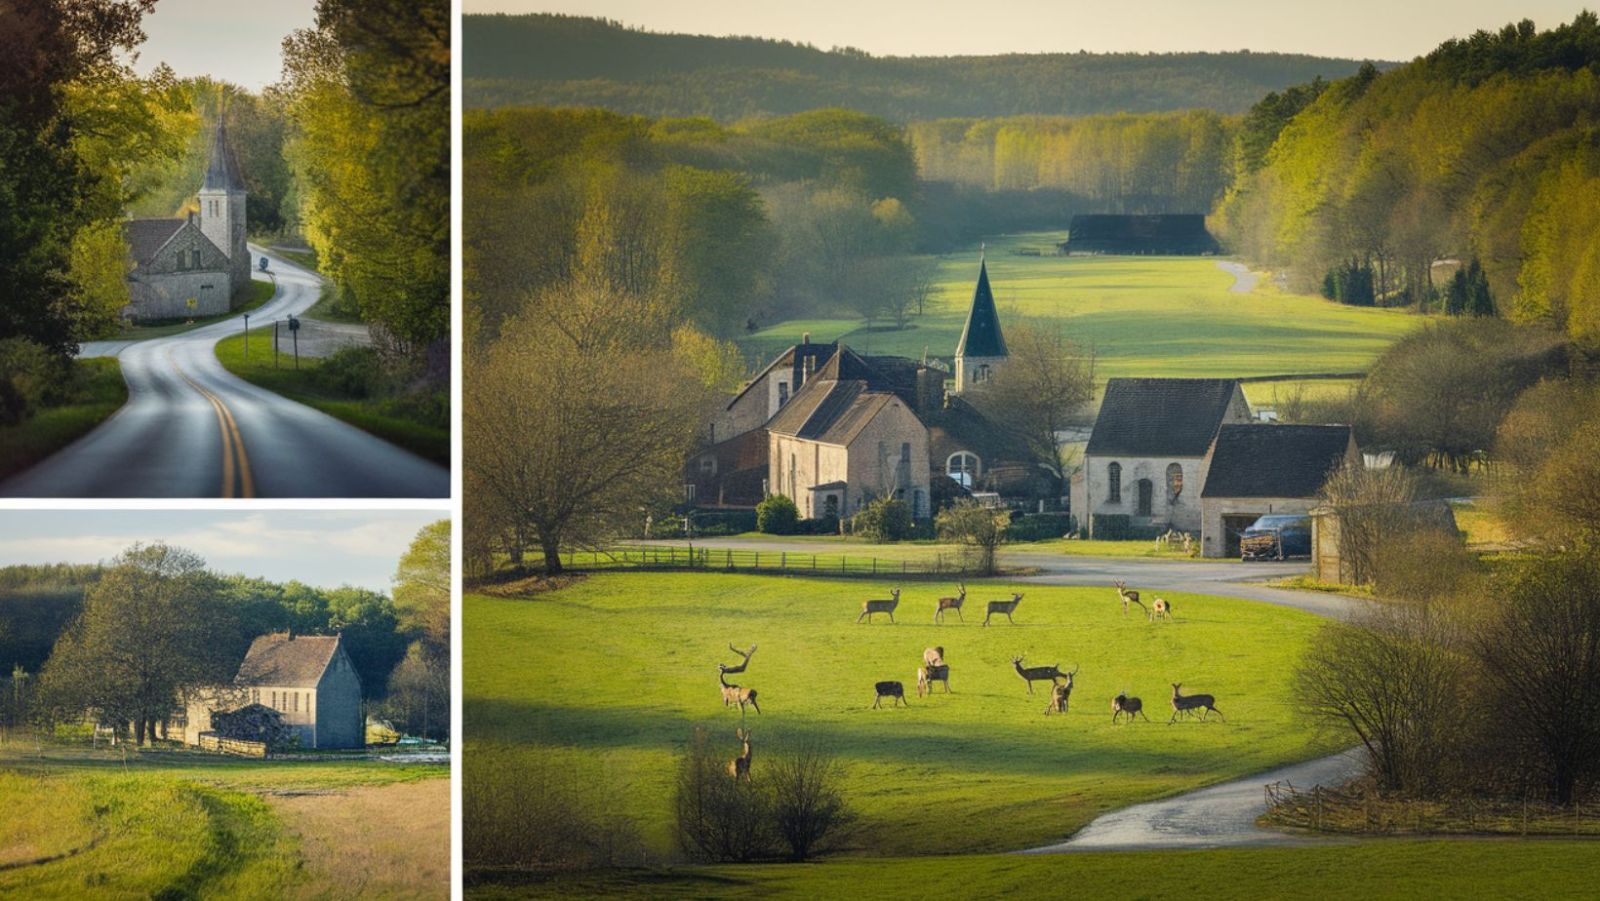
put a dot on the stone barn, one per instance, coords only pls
(309, 679)
(1256, 468)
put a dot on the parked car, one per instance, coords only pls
(1276, 536)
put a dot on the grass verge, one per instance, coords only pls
(97, 391)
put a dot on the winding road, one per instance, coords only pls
(191, 429)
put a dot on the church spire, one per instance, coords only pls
(222, 172)
(981, 336)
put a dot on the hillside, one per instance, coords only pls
(551, 60)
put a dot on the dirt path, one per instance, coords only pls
(1244, 281)
(383, 841)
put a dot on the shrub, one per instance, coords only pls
(1112, 527)
(719, 818)
(882, 520)
(808, 811)
(777, 515)
(29, 378)
(1039, 527)
(978, 529)
(543, 808)
(355, 372)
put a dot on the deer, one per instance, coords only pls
(733, 694)
(1005, 607)
(928, 674)
(1060, 693)
(1189, 703)
(1160, 609)
(739, 767)
(737, 667)
(890, 690)
(868, 608)
(933, 656)
(1128, 597)
(951, 604)
(1131, 706)
(1032, 674)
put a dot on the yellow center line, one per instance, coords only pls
(234, 458)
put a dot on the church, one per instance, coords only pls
(197, 265)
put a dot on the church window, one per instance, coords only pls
(964, 468)
(1114, 483)
(783, 393)
(981, 374)
(688, 492)
(1174, 482)
(296, 702)
(1146, 498)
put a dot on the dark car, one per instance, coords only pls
(1276, 536)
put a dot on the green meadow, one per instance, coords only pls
(1140, 316)
(620, 668)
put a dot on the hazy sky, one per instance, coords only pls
(1363, 29)
(234, 40)
(322, 548)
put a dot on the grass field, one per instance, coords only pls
(1141, 316)
(174, 824)
(373, 415)
(619, 668)
(97, 392)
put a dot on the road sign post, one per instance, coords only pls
(247, 336)
(274, 344)
(294, 332)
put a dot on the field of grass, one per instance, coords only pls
(1141, 316)
(173, 824)
(373, 415)
(97, 392)
(257, 294)
(620, 668)
(1391, 868)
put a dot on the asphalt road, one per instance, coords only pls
(191, 429)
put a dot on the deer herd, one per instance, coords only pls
(934, 669)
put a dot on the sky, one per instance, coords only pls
(1360, 29)
(325, 549)
(234, 40)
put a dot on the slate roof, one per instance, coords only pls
(840, 398)
(282, 658)
(1160, 417)
(981, 337)
(222, 173)
(146, 237)
(1274, 460)
(793, 360)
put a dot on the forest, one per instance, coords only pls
(553, 60)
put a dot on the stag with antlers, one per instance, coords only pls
(868, 608)
(734, 694)
(1060, 693)
(1128, 597)
(951, 604)
(737, 667)
(739, 767)
(1006, 607)
(1032, 674)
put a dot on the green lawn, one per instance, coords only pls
(257, 294)
(1141, 316)
(373, 415)
(97, 392)
(619, 668)
(929, 551)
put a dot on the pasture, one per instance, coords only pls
(182, 824)
(617, 669)
(1141, 316)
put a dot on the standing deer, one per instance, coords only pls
(928, 674)
(737, 667)
(933, 656)
(1189, 703)
(1131, 706)
(733, 694)
(1060, 693)
(1160, 609)
(951, 604)
(870, 607)
(1005, 607)
(890, 690)
(739, 767)
(1128, 597)
(1032, 674)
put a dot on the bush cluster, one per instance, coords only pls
(30, 378)
(882, 520)
(777, 515)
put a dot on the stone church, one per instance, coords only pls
(308, 679)
(193, 266)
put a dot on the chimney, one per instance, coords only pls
(805, 338)
(191, 217)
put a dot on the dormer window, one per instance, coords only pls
(783, 393)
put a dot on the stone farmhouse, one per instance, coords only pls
(308, 679)
(202, 257)
(1255, 469)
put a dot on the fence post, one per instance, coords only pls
(874, 565)
(783, 559)
(758, 561)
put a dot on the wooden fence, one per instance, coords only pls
(711, 559)
(211, 741)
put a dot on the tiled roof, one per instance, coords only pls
(282, 658)
(840, 398)
(1274, 460)
(146, 237)
(1160, 417)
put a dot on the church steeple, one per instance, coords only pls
(982, 349)
(224, 206)
(222, 173)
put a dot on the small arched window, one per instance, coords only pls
(1174, 482)
(982, 374)
(1114, 483)
(964, 467)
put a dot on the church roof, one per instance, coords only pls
(1273, 460)
(840, 398)
(222, 174)
(981, 337)
(146, 237)
(1160, 417)
(283, 658)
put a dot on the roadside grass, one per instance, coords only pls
(1085, 547)
(1388, 868)
(1141, 316)
(620, 667)
(305, 258)
(97, 391)
(259, 292)
(379, 416)
(1308, 582)
(1483, 529)
(328, 307)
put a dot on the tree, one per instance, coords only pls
(422, 585)
(1373, 508)
(419, 693)
(1550, 477)
(978, 529)
(1038, 393)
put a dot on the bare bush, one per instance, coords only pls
(1373, 510)
(1425, 565)
(808, 810)
(543, 809)
(719, 817)
(979, 530)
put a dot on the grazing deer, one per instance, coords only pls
(1189, 703)
(1131, 706)
(952, 604)
(1032, 674)
(733, 694)
(1060, 693)
(1005, 607)
(1128, 597)
(933, 656)
(1160, 609)
(929, 674)
(737, 667)
(870, 607)
(890, 690)
(739, 767)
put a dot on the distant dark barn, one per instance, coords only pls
(1170, 235)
